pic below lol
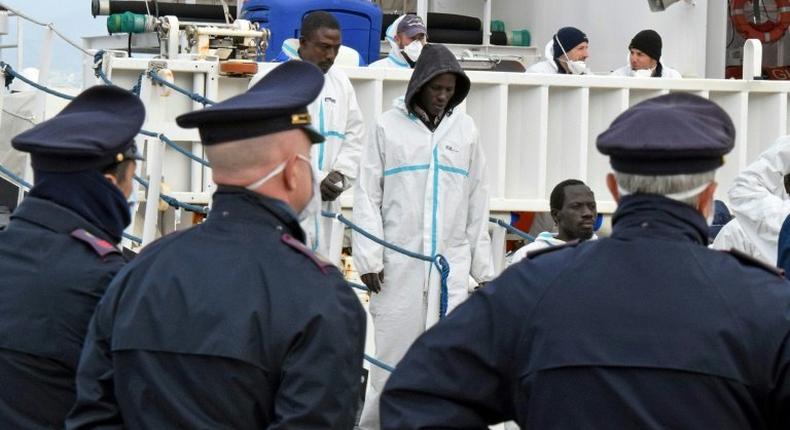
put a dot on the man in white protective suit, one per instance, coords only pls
(338, 118)
(407, 36)
(759, 200)
(422, 186)
(644, 58)
(566, 54)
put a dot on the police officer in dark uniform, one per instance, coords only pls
(647, 329)
(233, 323)
(60, 252)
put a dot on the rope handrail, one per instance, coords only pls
(511, 229)
(31, 119)
(172, 201)
(194, 96)
(439, 260)
(379, 363)
(98, 67)
(98, 60)
(6, 68)
(378, 240)
(50, 26)
(175, 146)
(357, 286)
(18, 181)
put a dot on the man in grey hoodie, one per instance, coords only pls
(421, 186)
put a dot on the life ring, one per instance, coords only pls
(767, 32)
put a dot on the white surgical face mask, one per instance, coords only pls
(413, 50)
(643, 73)
(304, 214)
(577, 67)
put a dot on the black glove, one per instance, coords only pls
(329, 190)
(373, 281)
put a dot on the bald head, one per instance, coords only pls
(243, 161)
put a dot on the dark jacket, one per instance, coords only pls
(434, 61)
(230, 324)
(54, 268)
(647, 329)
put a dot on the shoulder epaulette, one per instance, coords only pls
(532, 254)
(100, 246)
(748, 260)
(323, 265)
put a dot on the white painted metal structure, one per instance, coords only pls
(537, 130)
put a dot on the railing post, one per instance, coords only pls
(752, 60)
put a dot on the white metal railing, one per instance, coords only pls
(536, 129)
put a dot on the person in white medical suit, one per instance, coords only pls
(644, 58)
(337, 116)
(566, 53)
(407, 36)
(422, 186)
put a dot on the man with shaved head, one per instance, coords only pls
(233, 323)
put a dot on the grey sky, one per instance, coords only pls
(72, 18)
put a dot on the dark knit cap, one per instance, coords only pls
(649, 42)
(569, 37)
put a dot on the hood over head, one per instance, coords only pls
(435, 60)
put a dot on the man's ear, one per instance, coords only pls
(705, 202)
(554, 216)
(291, 174)
(611, 183)
(113, 180)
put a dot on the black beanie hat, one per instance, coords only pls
(569, 37)
(649, 42)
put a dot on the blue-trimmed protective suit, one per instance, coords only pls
(336, 114)
(426, 192)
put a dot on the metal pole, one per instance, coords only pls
(134, 207)
(212, 93)
(43, 73)
(156, 150)
(20, 60)
(752, 59)
(422, 10)
(196, 169)
(486, 22)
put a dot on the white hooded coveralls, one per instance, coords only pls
(394, 59)
(337, 116)
(759, 200)
(425, 192)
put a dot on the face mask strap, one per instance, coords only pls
(557, 39)
(277, 170)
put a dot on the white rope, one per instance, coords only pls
(30, 119)
(50, 26)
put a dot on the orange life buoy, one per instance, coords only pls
(767, 32)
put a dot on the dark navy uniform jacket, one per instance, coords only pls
(647, 329)
(54, 268)
(232, 324)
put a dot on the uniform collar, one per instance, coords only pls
(242, 205)
(55, 217)
(650, 215)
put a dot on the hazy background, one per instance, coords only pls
(72, 18)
